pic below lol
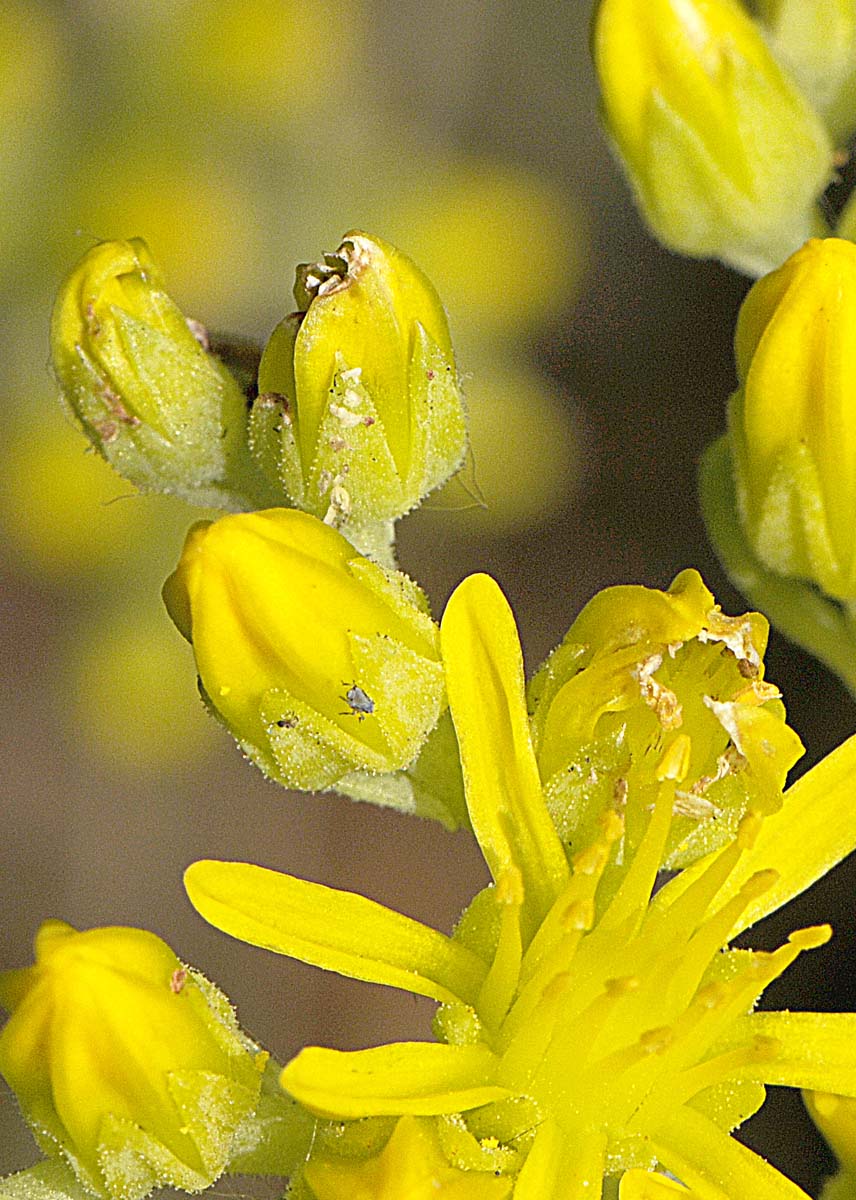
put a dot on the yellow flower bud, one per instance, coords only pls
(816, 40)
(359, 413)
(141, 381)
(725, 155)
(791, 423)
(129, 1065)
(648, 686)
(319, 661)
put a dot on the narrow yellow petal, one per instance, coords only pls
(814, 829)
(559, 1167)
(810, 1050)
(415, 1078)
(716, 1166)
(484, 680)
(339, 931)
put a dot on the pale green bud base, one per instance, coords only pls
(432, 786)
(822, 626)
(353, 481)
(272, 1140)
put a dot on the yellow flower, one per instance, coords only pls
(725, 155)
(140, 380)
(587, 1028)
(642, 675)
(320, 662)
(359, 415)
(129, 1065)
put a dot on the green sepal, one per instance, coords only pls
(823, 627)
(276, 1137)
(49, 1180)
(432, 786)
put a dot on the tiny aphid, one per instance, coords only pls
(360, 705)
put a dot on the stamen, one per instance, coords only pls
(631, 899)
(501, 982)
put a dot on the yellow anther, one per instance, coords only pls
(759, 883)
(765, 1047)
(655, 1041)
(612, 824)
(811, 937)
(556, 986)
(578, 916)
(509, 887)
(711, 996)
(624, 985)
(591, 860)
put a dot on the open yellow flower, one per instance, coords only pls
(588, 1030)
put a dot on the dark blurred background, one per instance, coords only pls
(239, 137)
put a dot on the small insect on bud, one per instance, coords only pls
(280, 610)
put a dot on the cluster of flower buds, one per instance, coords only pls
(322, 663)
(726, 155)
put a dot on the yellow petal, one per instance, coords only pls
(814, 829)
(484, 680)
(559, 1167)
(339, 931)
(812, 1050)
(417, 1078)
(716, 1166)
